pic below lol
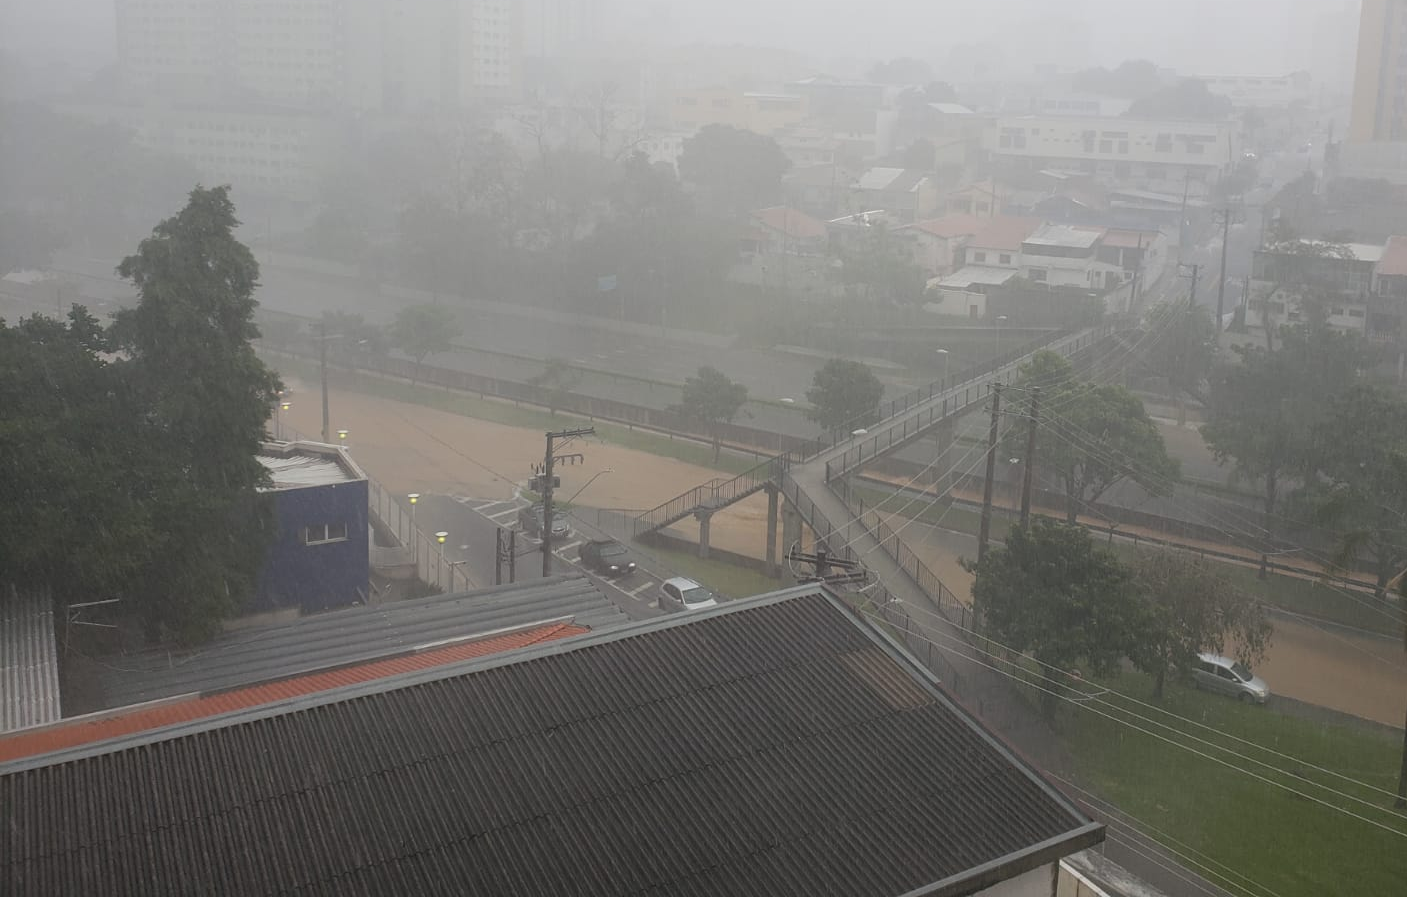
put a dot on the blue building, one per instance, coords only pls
(319, 557)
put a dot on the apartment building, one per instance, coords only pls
(1380, 78)
(1362, 287)
(1149, 154)
(1376, 146)
(372, 55)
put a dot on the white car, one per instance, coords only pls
(1229, 677)
(685, 594)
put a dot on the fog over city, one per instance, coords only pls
(604, 447)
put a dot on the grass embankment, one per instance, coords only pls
(722, 577)
(1287, 843)
(509, 414)
(1296, 594)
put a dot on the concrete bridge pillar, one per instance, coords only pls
(773, 507)
(791, 528)
(705, 519)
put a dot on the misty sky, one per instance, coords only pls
(1225, 36)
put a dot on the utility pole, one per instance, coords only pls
(1029, 470)
(1185, 338)
(1137, 270)
(505, 549)
(1182, 215)
(547, 491)
(986, 527)
(322, 371)
(1221, 284)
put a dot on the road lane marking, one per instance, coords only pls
(570, 545)
(502, 514)
(635, 592)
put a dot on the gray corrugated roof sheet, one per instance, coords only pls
(29, 662)
(776, 746)
(354, 635)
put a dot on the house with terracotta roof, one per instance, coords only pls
(782, 745)
(936, 242)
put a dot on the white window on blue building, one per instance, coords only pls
(321, 533)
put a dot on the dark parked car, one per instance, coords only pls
(606, 557)
(530, 519)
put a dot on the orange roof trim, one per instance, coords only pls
(86, 730)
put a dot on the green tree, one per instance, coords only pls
(1192, 607)
(558, 379)
(1361, 486)
(714, 399)
(1185, 353)
(1097, 435)
(1052, 593)
(187, 356)
(1262, 410)
(883, 266)
(424, 330)
(741, 169)
(844, 395)
(73, 447)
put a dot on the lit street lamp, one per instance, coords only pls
(342, 435)
(414, 533)
(278, 417)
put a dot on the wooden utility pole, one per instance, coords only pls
(547, 462)
(322, 371)
(1029, 470)
(984, 530)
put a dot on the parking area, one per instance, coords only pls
(478, 519)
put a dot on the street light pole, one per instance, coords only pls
(946, 356)
(322, 372)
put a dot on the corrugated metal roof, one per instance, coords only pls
(354, 635)
(777, 746)
(102, 726)
(303, 470)
(29, 662)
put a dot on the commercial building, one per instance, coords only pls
(713, 752)
(1262, 91)
(1147, 154)
(319, 556)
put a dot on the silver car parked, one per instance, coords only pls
(684, 594)
(1229, 677)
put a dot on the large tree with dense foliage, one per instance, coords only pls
(75, 449)
(187, 355)
(1096, 436)
(1052, 593)
(711, 397)
(740, 169)
(424, 330)
(844, 395)
(1264, 408)
(1192, 607)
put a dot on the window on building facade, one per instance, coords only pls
(1037, 274)
(322, 533)
(979, 256)
(1004, 258)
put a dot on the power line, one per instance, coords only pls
(1188, 748)
(1067, 674)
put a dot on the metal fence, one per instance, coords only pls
(968, 388)
(735, 436)
(431, 565)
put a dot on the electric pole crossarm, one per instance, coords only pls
(548, 460)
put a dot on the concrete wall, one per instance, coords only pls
(1039, 882)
